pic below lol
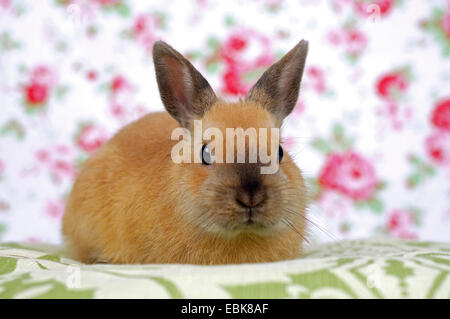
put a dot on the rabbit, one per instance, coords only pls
(133, 204)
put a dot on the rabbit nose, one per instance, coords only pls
(250, 195)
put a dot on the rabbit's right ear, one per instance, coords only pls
(184, 91)
(277, 89)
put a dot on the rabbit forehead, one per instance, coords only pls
(237, 115)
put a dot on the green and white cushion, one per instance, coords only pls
(375, 268)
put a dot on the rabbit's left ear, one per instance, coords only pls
(184, 91)
(277, 89)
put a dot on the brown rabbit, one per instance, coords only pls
(131, 202)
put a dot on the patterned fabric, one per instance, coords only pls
(349, 269)
(371, 130)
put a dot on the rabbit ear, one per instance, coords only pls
(184, 91)
(277, 89)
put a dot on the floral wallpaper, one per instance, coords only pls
(371, 130)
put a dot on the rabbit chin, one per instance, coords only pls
(235, 228)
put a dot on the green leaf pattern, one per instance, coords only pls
(372, 268)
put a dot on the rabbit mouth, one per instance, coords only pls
(250, 217)
(251, 226)
(241, 220)
(244, 226)
(251, 222)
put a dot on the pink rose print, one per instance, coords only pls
(91, 75)
(396, 113)
(438, 25)
(390, 85)
(243, 52)
(440, 116)
(59, 161)
(345, 173)
(91, 137)
(315, 79)
(237, 50)
(5, 4)
(43, 75)
(350, 174)
(334, 204)
(89, 8)
(36, 94)
(399, 224)
(121, 98)
(230, 50)
(299, 108)
(119, 84)
(55, 209)
(37, 91)
(11, 7)
(106, 2)
(232, 82)
(446, 23)
(33, 239)
(366, 8)
(437, 146)
(289, 142)
(144, 30)
(355, 41)
(352, 40)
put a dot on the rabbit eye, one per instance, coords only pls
(206, 155)
(280, 153)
